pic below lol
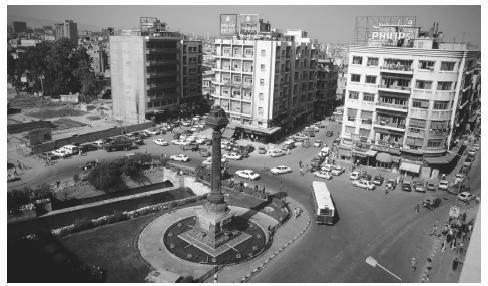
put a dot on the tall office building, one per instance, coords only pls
(154, 74)
(407, 101)
(19, 27)
(67, 29)
(266, 81)
(327, 75)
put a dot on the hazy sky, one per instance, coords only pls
(326, 23)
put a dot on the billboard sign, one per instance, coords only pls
(248, 23)
(228, 24)
(387, 31)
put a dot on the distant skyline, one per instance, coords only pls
(326, 23)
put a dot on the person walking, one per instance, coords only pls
(300, 163)
(417, 208)
(413, 264)
(434, 230)
(301, 171)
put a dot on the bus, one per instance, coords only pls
(324, 206)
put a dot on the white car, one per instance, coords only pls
(443, 185)
(232, 156)
(99, 143)
(200, 140)
(186, 124)
(476, 146)
(180, 157)
(180, 142)
(248, 174)
(161, 142)
(338, 170)
(317, 143)
(152, 131)
(191, 139)
(355, 175)
(208, 161)
(280, 170)
(60, 153)
(459, 178)
(323, 174)
(364, 184)
(276, 153)
(472, 152)
(465, 196)
(327, 167)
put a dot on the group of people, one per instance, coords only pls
(455, 233)
(297, 212)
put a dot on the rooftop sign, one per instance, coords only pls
(228, 24)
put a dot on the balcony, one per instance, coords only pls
(160, 62)
(389, 125)
(395, 88)
(160, 74)
(389, 147)
(391, 106)
(398, 69)
(160, 85)
(437, 134)
(161, 50)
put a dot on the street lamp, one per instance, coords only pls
(371, 261)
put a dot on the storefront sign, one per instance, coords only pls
(228, 24)
(249, 23)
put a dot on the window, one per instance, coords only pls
(357, 60)
(426, 65)
(364, 132)
(226, 51)
(366, 117)
(260, 111)
(414, 141)
(419, 103)
(263, 53)
(351, 114)
(444, 85)
(439, 125)
(368, 96)
(236, 79)
(434, 143)
(356, 77)
(248, 52)
(261, 82)
(261, 96)
(236, 92)
(418, 123)
(263, 67)
(371, 79)
(353, 95)
(447, 66)
(423, 84)
(349, 130)
(441, 104)
(372, 62)
(225, 92)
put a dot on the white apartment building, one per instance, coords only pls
(266, 84)
(406, 107)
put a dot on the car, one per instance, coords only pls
(364, 184)
(338, 170)
(208, 161)
(468, 161)
(152, 131)
(407, 187)
(193, 129)
(186, 123)
(336, 141)
(11, 178)
(88, 147)
(355, 175)
(431, 187)
(160, 142)
(99, 143)
(476, 146)
(276, 153)
(232, 156)
(465, 197)
(366, 177)
(280, 170)
(472, 152)
(329, 133)
(323, 174)
(176, 135)
(317, 143)
(200, 140)
(321, 125)
(204, 153)
(180, 142)
(262, 150)
(431, 202)
(459, 179)
(60, 153)
(129, 155)
(327, 167)
(443, 185)
(180, 157)
(248, 174)
(378, 180)
(419, 187)
(391, 184)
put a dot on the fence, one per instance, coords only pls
(88, 137)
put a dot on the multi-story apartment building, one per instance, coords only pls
(154, 75)
(266, 83)
(67, 29)
(19, 27)
(407, 106)
(327, 75)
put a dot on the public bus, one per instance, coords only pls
(324, 206)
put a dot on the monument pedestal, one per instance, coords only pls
(212, 223)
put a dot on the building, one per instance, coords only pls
(327, 76)
(19, 27)
(99, 60)
(265, 81)
(406, 106)
(67, 29)
(155, 74)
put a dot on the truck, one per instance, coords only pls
(118, 143)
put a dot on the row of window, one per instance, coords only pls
(411, 141)
(423, 65)
(160, 103)
(419, 84)
(417, 103)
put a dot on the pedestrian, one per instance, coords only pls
(333, 161)
(434, 230)
(413, 264)
(417, 208)
(57, 184)
(386, 191)
(301, 171)
(306, 168)
(15, 171)
(460, 248)
(300, 163)
(443, 248)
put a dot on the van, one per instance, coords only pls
(70, 149)
(325, 151)
(290, 144)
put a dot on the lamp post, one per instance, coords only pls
(371, 261)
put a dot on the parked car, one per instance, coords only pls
(338, 170)
(391, 183)
(248, 174)
(160, 142)
(152, 131)
(118, 142)
(364, 184)
(276, 153)
(232, 156)
(443, 185)
(208, 161)
(476, 146)
(378, 180)
(88, 147)
(99, 143)
(472, 152)
(11, 178)
(180, 157)
(282, 169)
(323, 174)
(431, 187)
(355, 175)
(407, 187)
(317, 143)
(329, 133)
(262, 150)
(336, 141)
(327, 167)
(468, 161)
(419, 187)
(204, 153)
(465, 197)
(186, 123)
(459, 179)
(180, 142)
(366, 177)
(431, 202)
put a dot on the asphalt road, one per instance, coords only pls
(370, 223)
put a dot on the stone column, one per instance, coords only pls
(216, 195)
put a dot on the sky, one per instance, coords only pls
(327, 23)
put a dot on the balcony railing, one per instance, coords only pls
(400, 68)
(161, 62)
(437, 134)
(389, 124)
(384, 146)
(160, 73)
(397, 106)
(161, 50)
(403, 88)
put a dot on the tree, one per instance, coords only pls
(107, 177)
(10, 67)
(85, 75)
(59, 78)
(133, 169)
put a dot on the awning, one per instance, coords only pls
(228, 133)
(371, 153)
(344, 152)
(409, 167)
(359, 154)
(384, 157)
(436, 160)
(395, 158)
(268, 131)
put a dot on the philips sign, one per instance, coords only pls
(392, 36)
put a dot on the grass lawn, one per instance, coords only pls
(114, 248)
(55, 112)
